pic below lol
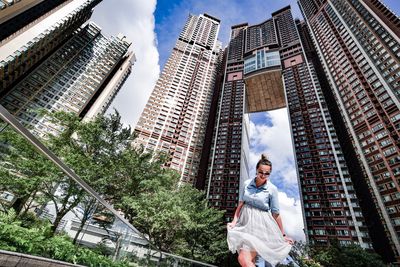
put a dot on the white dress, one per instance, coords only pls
(256, 230)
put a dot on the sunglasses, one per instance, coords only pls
(264, 173)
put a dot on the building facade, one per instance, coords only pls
(26, 49)
(75, 78)
(222, 179)
(359, 48)
(17, 15)
(104, 97)
(174, 119)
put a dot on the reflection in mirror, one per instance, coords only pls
(46, 213)
(25, 174)
(107, 235)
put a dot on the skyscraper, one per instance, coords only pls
(78, 77)
(222, 179)
(174, 119)
(17, 15)
(358, 45)
(103, 98)
(28, 48)
(268, 69)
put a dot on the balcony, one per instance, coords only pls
(263, 79)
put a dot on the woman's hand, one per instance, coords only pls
(231, 224)
(288, 240)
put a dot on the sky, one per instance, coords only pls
(153, 27)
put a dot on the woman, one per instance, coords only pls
(254, 230)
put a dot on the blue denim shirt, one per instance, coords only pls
(264, 197)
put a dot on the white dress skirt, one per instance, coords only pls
(256, 230)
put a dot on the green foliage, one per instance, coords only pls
(308, 262)
(176, 219)
(23, 171)
(204, 233)
(91, 148)
(14, 237)
(158, 216)
(179, 221)
(102, 249)
(29, 220)
(300, 253)
(336, 255)
(37, 241)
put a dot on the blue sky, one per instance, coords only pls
(153, 28)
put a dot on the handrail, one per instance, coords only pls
(10, 119)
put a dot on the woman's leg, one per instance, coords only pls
(247, 258)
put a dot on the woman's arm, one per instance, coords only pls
(274, 205)
(236, 216)
(278, 220)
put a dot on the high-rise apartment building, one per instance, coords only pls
(359, 48)
(174, 119)
(331, 207)
(266, 69)
(103, 98)
(27, 48)
(82, 76)
(17, 15)
(222, 179)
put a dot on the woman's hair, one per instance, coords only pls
(264, 161)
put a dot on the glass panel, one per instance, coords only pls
(46, 213)
(249, 64)
(262, 59)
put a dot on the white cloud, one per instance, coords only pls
(273, 138)
(292, 218)
(134, 19)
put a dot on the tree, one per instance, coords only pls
(84, 212)
(92, 149)
(333, 255)
(23, 170)
(136, 172)
(300, 254)
(100, 152)
(353, 255)
(157, 214)
(178, 220)
(204, 232)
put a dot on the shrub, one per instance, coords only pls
(37, 241)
